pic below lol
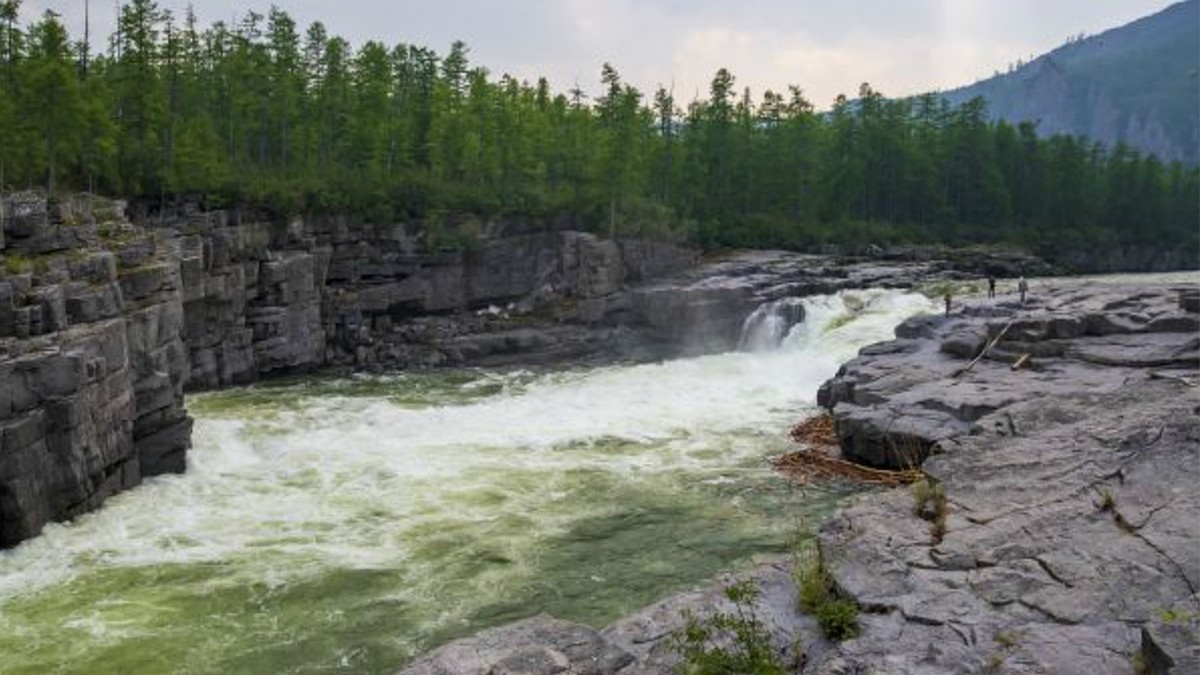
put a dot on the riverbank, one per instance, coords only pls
(1070, 541)
(1068, 535)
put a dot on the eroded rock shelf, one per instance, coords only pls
(1070, 543)
(1074, 518)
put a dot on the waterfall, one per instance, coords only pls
(766, 326)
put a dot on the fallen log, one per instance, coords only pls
(986, 349)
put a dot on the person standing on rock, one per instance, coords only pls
(1023, 287)
(947, 297)
(991, 285)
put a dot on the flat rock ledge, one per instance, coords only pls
(638, 644)
(1072, 539)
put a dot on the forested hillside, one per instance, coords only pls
(267, 114)
(1138, 84)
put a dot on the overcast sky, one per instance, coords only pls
(900, 46)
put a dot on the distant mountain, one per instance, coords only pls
(1139, 83)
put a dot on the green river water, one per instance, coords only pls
(348, 525)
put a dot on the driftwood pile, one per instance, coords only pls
(818, 461)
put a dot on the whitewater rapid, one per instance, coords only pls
(346, 525)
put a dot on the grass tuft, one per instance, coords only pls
(930, 503)
(1139, 665)
(837, 616)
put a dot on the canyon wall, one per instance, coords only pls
(92, 361)
(104, 324)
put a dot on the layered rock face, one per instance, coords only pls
(1070, 540)
(252, 299)
(92, 361)
(898, 399)
(263, 299)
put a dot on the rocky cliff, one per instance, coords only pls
(263, 298)
(92, 361)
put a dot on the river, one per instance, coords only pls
(347, 525)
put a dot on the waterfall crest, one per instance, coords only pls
(767, 326)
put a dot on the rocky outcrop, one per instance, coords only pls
(518, 295)
(1071, 534)
(262, 298)
(897, 400)
(92, 361)
(252, 299)
(1070, 540)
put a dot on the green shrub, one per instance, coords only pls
(1139, 665)
(941, 509)
(922, 492)
(930, 503)
(815, 588)
(838, 619)
(837, 616)
(1175, 616)
(728, 643)
(1007, 639)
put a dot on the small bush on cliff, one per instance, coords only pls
(1107, 501)
(728, 643)
(1139, 664)
(922, 493)
(14, 264)
(1174, 616)
(929, 503)
(837, 616)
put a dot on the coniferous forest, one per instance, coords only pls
(268, 114)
